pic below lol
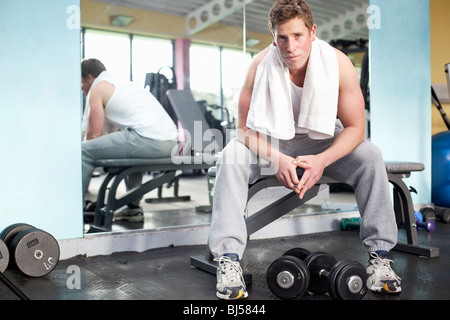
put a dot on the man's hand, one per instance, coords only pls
(313, 166)
(287, 172)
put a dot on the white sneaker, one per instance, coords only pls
(381, 276)
(230, 280)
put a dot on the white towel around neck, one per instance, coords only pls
(271, 104)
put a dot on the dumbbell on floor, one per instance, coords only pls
(425, 219)
(33, 251)
(428, 214)
(440, 212)
(343, 280)
(429, 225)
(287, 276)
(298, 271)
(350, 224)
(443, 214)
(4, 262)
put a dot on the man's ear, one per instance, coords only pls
(273, 39)
(313, 32)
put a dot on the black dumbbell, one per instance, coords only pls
(343, 280)
(33, 251)
(428, 214)
(8, 234)
(300, 253)
(443, 214)
(287, 276)
(4, 262)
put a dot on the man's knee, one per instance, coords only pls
(236, 153)
(368, 154)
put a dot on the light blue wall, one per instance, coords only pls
(401, 84)
(40, 162)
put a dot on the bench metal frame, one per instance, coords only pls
(117, 170)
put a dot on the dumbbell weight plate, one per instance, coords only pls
(4, 256)
(300, 253)
(315, 262)
(428, 214)
(35, 252)
(348, 281)
(287, 277)
(8, 234)
(443, 214)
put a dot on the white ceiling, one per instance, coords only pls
(330, 16)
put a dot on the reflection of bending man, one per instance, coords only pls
(293, 92)
(145, 128)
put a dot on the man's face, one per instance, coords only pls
(293, 40)
(86, 83)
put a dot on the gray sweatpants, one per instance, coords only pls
(363, 169)
(124, 144)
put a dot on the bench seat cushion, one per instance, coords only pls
(175, 163)
(391, 167)
(403, 167)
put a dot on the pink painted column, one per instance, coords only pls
(182, 70)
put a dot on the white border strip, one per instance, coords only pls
(142, 240)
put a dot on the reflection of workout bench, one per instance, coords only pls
(199, 140)
(403, 207)
(119, 169)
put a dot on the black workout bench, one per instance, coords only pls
(118, 169)
(403, 207)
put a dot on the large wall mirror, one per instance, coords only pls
(206, 46)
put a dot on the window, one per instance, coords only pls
(205, 73)
(216, 74)
(234, 69)
(214, 69)
(149, 55)
(113, 49)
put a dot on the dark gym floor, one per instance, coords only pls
(166, 274)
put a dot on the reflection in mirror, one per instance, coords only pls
(206, 47)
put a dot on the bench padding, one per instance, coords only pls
(178, 163)
(403, 167)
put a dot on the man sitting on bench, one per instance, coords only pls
(293, 92)
(145, 129)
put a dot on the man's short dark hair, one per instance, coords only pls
(285, 10)
(93, 67)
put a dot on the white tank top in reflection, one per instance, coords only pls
(134, 107)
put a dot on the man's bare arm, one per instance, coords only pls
(351, 114)
(255, 141)
(99, 97)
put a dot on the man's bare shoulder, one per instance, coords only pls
(103, 91)
(103, 86)
(342, 57)
(347, 71)
(260, 56)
